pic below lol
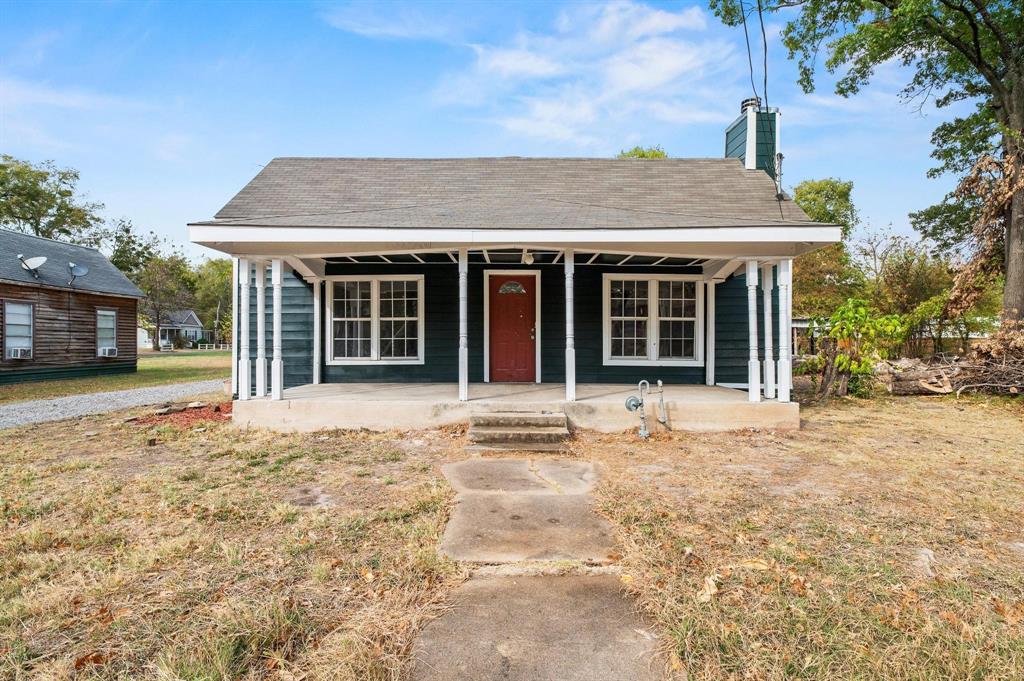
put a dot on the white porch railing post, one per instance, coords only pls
(244, 367)
(318, 332)
(785, 329)
(753, 365)
(261, 329)
(277, 364)
(709, 334)
(570, 328)
(463, 325)
(234, 326)
(769, 360)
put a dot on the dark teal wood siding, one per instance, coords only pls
(442, 321)
(732, 331)
(736, 139)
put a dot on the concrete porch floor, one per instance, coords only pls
(385, 406)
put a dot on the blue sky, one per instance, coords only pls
(167, 109)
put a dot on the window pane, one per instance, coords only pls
(676, 339)
(352, 339)
(106, 333)
(17, 325)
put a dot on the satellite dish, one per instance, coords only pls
(32, 264)
(76, 271)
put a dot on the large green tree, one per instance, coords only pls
(169, 284)
(643, 152)
(825, 278)
(44, 200)
(956, 50)
(130, 251)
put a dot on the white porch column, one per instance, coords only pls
(785, 329)
(234, 325)
(753, 365)
(709, 334)
(463, 324)
(318, 332)
(244, 366)
(261, 329)
(277, 364)
(769, 360)
(570, 329)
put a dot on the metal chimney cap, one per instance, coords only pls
(749, 102)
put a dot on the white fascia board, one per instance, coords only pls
(211, 235)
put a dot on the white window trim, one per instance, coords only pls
(652, 323)
(487, 318)
(31, 326)
(374, 280)
(100, 310)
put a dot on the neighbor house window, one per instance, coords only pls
(17, 330)
(376, 319)
(653, 319)
(106, 329)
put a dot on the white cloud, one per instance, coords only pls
(393, 21)
(513, 62)
(653, 64)
(626, 21)
(18, 94)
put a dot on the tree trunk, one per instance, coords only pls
(1013, 293)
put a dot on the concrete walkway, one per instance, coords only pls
(515, 519)
(58, 408)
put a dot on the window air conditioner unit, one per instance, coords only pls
(108, 352)
(19, 353)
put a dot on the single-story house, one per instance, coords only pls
(411, 292)
(184, 324)
(65, 311)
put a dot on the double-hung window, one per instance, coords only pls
(376, 319)
(653, 319)
(17, 330)
(106, 330)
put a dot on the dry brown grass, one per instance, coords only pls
(217, 554)
(220, 554)
(805, 555)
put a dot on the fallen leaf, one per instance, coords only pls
(755, 564)
(90, 658)
(709, 590)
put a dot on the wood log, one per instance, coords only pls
(924, 382)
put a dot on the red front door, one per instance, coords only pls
(512, 300)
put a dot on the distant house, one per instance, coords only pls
(183, 324)
(65, 311)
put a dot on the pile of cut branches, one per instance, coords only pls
(996, 364)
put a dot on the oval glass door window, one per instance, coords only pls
(513, 287)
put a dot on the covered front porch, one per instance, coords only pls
(601, 407)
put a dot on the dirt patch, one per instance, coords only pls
(188, 418)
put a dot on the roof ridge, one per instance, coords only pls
(501, 158)
(46, 238)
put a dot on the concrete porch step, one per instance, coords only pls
(518, 419)
(525, 447)
(517, 434)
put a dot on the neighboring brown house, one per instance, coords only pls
(56, 325)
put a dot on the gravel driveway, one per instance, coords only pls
(55, 409)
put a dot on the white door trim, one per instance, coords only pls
(487, 319)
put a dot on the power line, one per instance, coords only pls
(746, 38)
(764, 42)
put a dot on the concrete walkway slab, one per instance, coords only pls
(540, 476)
(568, 628)
(495, 528)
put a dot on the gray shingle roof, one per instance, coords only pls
(103, 277)
(180, 318)
(509, 193)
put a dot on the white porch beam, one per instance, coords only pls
(318, 331)
(244, 365)
(767, 285)
(277, 363)
(463, 324)
(261, 329)
(308, 268)
(785, 329)
(719, 270)
(234, 326)
(570, 329)
(753, 365)
(709, 334)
